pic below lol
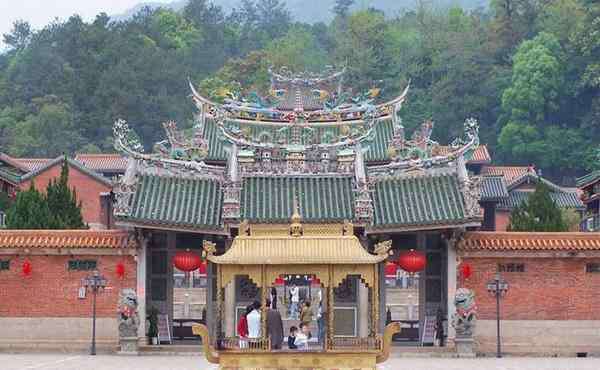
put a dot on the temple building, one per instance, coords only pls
(248, 163)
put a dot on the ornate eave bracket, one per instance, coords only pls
(471, 190)
(231, 202)
(363, 204)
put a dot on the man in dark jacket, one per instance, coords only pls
(274, 326)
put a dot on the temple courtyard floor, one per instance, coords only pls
(109, 362)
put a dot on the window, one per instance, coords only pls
(4, 265)
(82, 265)
(511, 267)
(592, 267)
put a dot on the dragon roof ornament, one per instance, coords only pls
(286, 76)
(177, 154)
(420, 152)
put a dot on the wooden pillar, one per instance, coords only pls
(330, 305)
(263, 317)
(375, 302)
(219, 302)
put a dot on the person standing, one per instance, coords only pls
(253, 319)
(306, 315)
(273, 298)
(321, 322)
(242, 328)
(274, 326)
(294, 301)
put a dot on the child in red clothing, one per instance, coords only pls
(242, 328)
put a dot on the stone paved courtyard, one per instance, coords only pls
(104, 362)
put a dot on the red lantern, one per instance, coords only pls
(120, 270)
(466, 271)
(186, 261)
(26, 268)
(412, 261)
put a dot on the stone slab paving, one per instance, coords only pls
(108, 362)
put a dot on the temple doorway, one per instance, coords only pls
(418, 301)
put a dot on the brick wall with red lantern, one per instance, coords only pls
(539, 288)
(88, 189)
(51, 288)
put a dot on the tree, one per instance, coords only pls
(297, 50)
(29, 211)
(342, 7)
(62, 202)
(538, 213)
(48, 133)
(19, 36)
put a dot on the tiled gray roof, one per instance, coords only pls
(493, 188)
(563, 199)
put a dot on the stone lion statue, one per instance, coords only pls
(465, 317)
(128, 313)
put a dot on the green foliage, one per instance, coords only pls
(57, 209)
(538, 213)
(29, 211)
(528, 70)
(62, 202)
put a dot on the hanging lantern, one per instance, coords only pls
(412, 261)
(186, 261)
(26, 268)
(120, 270)
(466, 270)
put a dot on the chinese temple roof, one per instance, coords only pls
(493, 188)
(304, 250)
(103, 162)
(529, 241)
(563, 199)
(193, 203)
(66, 239)
(347, 159)
(510, 173)
(320, 199)
(589, 179)
(414, 201)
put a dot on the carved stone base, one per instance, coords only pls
(297, 360)
(128, 346)
(465, 347)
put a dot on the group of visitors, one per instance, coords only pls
(249, 325)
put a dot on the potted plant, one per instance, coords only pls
(153, 325)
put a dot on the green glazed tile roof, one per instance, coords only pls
(493, 188)
(216, 147)
(190, 203)
(588, 179)
(377, 149)
(384, 130)
(563, 199)
(320, 199)
(417, 201)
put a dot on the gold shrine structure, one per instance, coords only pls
(330, 252)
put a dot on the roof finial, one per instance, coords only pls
(296, 225)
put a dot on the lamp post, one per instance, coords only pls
(95, 282)
(497, 286)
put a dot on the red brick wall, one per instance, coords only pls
(88, 189)
(52, 290)
(549, 289)
(502, 220)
